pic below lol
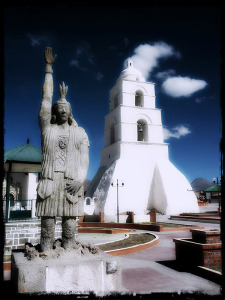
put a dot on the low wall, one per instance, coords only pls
(123, 225)
(196, 254)
(132, 249)
(17, 234)
(206, 237)
(204, 249)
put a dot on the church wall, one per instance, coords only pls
(132, 114)
(110, 154)
(132, 149)
(128, 86)
(133, 196)
(149, 102)
(155, 134)
(112, 119)
(135, 168)
(170, 191)
(128, 99)
(147, 152)
(129, 132)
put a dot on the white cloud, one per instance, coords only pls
(37, 40)
(182, 86)
(83, 56)
(147, 56)
(84, 60)
(176, 132)
(204, 98)
(165, 74)
(74, 62)
(99, 76)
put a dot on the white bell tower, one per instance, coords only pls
(133, 117)
(134, 152)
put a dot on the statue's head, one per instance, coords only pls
(61, 109)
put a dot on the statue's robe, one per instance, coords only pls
(59, 169)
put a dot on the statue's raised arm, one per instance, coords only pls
(47, 93)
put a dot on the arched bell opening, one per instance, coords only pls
(139, 99)
(116, 101)
(112, 134)
(142, 131)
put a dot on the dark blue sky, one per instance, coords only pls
(92, 43)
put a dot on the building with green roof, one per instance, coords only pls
(19, 164)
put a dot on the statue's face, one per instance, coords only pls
(62, 113)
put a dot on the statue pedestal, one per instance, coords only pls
(98, 274)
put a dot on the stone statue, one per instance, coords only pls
(65, 160)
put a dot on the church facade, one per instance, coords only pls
(135, 157)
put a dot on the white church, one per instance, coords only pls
(136, 158)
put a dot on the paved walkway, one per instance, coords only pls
(153, 270)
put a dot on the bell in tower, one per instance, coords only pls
(140, 132)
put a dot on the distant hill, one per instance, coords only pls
(200, 184)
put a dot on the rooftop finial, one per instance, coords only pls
(28, 141)
(129, 63)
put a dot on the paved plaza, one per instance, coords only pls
(154, 270)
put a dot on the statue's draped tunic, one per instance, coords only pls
(60, 166)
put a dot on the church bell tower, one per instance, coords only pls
(133, 117)
(135, 154)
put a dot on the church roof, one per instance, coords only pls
(131, 73)
(24, 153)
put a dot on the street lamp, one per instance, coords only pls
(117, 193)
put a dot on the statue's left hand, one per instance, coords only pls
(73, 187)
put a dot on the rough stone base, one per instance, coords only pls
(69, 273)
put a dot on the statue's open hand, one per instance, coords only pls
(73, 187)
(48, 56)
